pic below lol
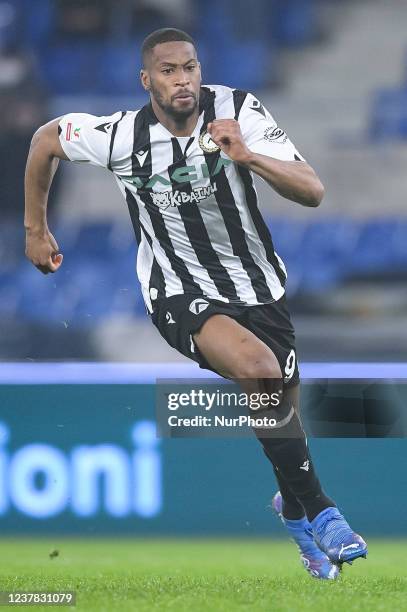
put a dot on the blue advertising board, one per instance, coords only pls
(85, 459)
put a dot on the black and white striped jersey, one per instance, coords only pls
(194, 211)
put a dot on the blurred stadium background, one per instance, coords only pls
(316, 64)
(334, 75)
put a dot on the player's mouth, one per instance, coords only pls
(184, 96)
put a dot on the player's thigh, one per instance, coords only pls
(234, 351)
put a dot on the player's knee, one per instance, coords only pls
(258, 367)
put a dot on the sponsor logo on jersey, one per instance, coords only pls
(275, 134)
(183, 174)
(165, 199)
(207, 144)
(198, 306)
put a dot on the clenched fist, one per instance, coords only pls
(227, 135)
(42, 250)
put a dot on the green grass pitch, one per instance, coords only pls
(211, 575)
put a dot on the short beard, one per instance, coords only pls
(178, 116)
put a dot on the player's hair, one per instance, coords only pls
(162, 36)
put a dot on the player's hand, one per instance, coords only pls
(227, 135)
(42, 250)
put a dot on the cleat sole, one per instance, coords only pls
(357, 555)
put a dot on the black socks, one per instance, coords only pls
(296, 477)
(292, 509)
(299, 485)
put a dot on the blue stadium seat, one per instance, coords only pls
(121, 68)
(37, 21)
(231, 54)
(253, 62)
(374, 248)
(295, 22)
(388, 120)
(74, 68)
(98, 277)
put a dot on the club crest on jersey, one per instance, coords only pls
(207, 144)
(198, 306)
(275, 134)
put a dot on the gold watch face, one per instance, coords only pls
(206, 143)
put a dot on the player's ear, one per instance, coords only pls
(145, 79)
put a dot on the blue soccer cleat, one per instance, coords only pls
(336, 539)
(313, 559)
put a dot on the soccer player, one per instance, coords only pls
(211, 280)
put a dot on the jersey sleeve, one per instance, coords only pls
(262, 134)
(86, 138)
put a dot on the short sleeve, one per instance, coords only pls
(86, 138)
(262, 134)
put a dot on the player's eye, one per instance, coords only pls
(167, 70)
(191, 67)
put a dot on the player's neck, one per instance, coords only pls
(185, 127)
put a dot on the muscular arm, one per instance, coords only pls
(43, 159)
(294, 180)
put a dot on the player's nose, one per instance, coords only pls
(182, 79)
(181, 83)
